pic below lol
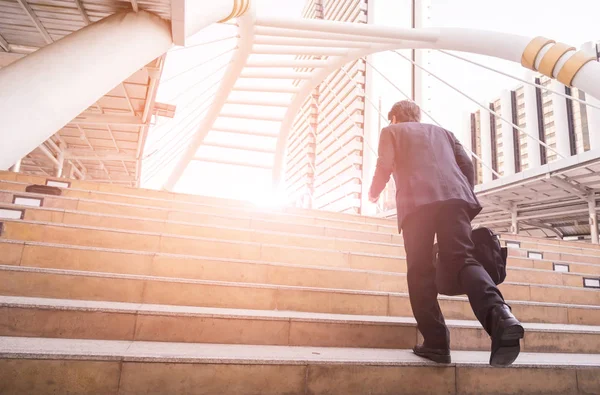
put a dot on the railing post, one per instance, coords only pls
(514, 221)
(593, 218)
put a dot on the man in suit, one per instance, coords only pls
(434, 197)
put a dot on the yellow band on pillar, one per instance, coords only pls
(234, 11)
(570, 69)
(246, 7)
(551, 57)
(239, 8)
(532, 50)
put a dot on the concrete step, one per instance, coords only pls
(343, 240)
(56, 256)
(198, 213)
(253, 230)
(12, 178)
(544, 264)
(173, 200)
(553, 256)
(144, 222)
(17, 180)
(187, 245)
(227, 227)
(82, 319)
(567, 246)
(84, 285)
(209, 215)
(42, 366)
(341, 253)
(131, 217)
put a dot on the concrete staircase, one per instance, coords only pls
(114, 290)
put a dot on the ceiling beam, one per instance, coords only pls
(4, 44)
(84, 15)
(567, 186)
(36, 21)
(541, 225)
(105, 119)
(99, 156)
(238, 147)
(7, 58)
(128, 98)
(232, 163)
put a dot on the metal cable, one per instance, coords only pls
(206, 78)
(204, 43)
(179, 121)
(198, 65)
(480, 105)
(435, 121)
(521, 79)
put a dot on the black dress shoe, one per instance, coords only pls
(506, 332)
(439, 355)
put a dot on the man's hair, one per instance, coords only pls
(405, 111)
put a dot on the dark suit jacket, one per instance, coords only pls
(429, 164)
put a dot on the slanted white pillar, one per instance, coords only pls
(44, 91)
(68, 170)
(371, 130)
(486, 145)
(61, 164)
(559, 106)
(532, 123)
(16, 167)
(593, 116)
(514, 221)
(593, 219)
(508, 140)
(465, 136)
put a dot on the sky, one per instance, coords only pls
(574, 22)
(191, 76)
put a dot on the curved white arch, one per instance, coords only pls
(500, 45)
(233, 72)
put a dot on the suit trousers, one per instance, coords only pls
(451, 223)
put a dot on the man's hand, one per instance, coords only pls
(373, 199)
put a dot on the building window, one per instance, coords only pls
(515, 131)
(541, 126)
(494, 141)
(570, 123)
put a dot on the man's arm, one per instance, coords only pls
(385, 164)
(464, 161)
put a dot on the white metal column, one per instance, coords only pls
(532, 123)
(514, 222)
(486, 144)
(593, 219)
(44, 91)
(508, 140)
(593, 116)
(559, 106)
(16, 167)
(61, 164)
(422, 16)
(371, 132)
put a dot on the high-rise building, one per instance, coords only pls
(559, 122)
(324, 158)
(332, 147)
